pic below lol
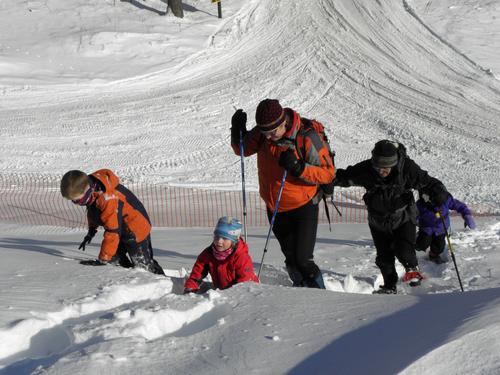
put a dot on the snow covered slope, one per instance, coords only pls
(368, 70)
(59, 317)
(90, 83)
(469, 25)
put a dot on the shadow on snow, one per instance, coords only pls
(401, 342)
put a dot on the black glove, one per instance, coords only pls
(93, 262)
(188, 291)
(291, 163)
(436, 194)
(86, 240)
(439, 198)
(238, 123)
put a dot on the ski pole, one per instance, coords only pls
(438, 215)
(242, 151)
(272, 221)
(333, 203)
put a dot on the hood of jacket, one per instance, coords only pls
(107, 178)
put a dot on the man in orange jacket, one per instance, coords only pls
(281, 143)
(126, 223)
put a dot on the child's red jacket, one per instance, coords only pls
(236, 268)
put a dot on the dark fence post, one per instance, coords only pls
(176, 6)
(219, 7)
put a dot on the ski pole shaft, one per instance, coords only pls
(438, 214)
(242, 152)
(272, 221)
(336, 208)
(333, 202)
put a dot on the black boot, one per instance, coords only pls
(315, 282)
(389, 274)
(386, 290)
(295, 276)
(155, 268)
(436, 258)
(121, 259)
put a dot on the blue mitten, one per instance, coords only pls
(469, 222)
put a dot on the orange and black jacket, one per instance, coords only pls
(119, 211)
(297, 191)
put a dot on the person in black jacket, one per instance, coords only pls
(389, 177)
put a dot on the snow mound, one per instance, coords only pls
(18, 337)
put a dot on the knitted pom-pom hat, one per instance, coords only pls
(269, 114)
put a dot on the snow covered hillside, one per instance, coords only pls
(368, 70)
(467, 25)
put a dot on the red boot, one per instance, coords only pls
(413, 276)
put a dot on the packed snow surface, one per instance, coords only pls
(60, 317)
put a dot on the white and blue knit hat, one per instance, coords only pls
(228, 228)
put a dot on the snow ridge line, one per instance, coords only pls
(17, 338)
(148, 324)
(412, 12)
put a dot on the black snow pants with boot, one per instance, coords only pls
(141, 255)
(296, 233)
(398, 244)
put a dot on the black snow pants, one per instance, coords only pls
(140, 253)
(435, 242)
(296, 233)
(400, 244)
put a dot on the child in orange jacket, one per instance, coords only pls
(126, 223)
(226, 259)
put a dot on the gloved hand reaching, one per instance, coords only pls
(87, 239)
(469, 222)
(438, 195)
(238, 123)
(291, 163)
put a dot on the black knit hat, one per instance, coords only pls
(385, 154)
(269, 114)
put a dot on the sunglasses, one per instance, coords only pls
(85, 198)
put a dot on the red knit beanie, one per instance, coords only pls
(269, 114)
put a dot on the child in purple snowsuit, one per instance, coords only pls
(431, 231)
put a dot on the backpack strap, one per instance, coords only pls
(308, 130)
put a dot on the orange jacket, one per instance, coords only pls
(297, 191)
(118, 210)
